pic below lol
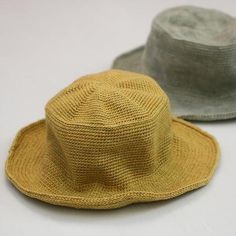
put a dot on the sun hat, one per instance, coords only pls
(191, 52)
(109, 140)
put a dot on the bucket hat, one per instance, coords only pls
(109, 140)
(191, 52)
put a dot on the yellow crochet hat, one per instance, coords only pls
(109, 140)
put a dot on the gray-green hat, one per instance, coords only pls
(191, 52)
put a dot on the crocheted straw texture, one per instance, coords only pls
(191, 52)
(109, 140)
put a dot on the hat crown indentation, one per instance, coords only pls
(182, 52)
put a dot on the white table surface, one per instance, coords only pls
(44, 46)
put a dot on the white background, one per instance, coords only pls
(44, 46)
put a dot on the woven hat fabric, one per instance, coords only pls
(191, 52)
(108, 140)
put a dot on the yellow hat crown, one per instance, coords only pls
(109, 129)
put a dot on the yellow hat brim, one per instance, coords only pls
(193, 160)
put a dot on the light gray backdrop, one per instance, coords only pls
(44, 46)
